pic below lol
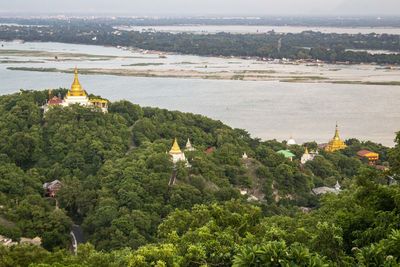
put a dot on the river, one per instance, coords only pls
(266, 109)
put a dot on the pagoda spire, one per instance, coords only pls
(336, 143)
(189, 146)
(76, 87)
(306, 152)
(175, 149)
(336, 137)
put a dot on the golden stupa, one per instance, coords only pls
(76, 87)
(175, 149)
(336, 143)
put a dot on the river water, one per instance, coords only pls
(266, 109)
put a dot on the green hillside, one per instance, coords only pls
(115, 176)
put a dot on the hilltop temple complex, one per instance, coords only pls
(76, 95)
(336, 143)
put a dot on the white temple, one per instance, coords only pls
(308, 156)
(189, 146)
(76, 95)
(291, 141)
(176, 153)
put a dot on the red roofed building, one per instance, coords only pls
(209, 150)
(54, 101)
(372, 157)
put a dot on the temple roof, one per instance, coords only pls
(291, 141)
(76, 87)
(175, 149)
(367, 153)
(188, 144)
(336, 136)
(286, 153)
(54, 101)
(336, 143)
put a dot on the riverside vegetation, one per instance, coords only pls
(308, 45)
(115, 172)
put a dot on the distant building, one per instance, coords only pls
(372, 157)
(8, 242)
(325, 189)
(76, 95)
(189, 146)
(287, 154)
(176, 153)
(336, 143)
(381, 167)
(244, 156)
(54, 101)
(308, 156)
(52, 188)
(210, 150)
(291, 142)
(37, 241)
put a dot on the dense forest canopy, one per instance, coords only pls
(115, 175)
(308, 45)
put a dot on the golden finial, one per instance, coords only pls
(175, 148)
(336, 137)
(76, 87)
(306, 152)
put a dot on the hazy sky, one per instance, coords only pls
(206, 7)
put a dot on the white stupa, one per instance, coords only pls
(337, 186)
(307, 156)
(176, 153)
(189, 146)
(291, 142)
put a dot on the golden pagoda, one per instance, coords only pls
(176, 153)
(76, 87)
(76, 95)
(336, 143)
(175, 149)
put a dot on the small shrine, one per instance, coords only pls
(176, 153)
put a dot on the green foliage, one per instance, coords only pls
(277, 254)
(329, 47)
(116, 174)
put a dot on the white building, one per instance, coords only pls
(308, 156)
(189, 146)
(76, 95)
(176, 153)
(325, 190)
(291, 141)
